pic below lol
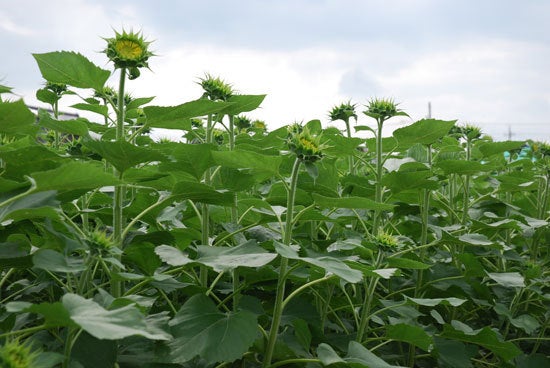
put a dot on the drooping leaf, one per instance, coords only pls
(123, 155)
(109, 324)
(247, 160)
(454, 302)
(485, 337)
(425, 131)
(98, 109)
(242, 103)
(359, 357)
(350, 202)
(410, 334)
(50, 260)
(71, 68)
(492, 148)
(76, 127)
(508, 279)
(463, 167)
(202, 193)
(16, 119)
(74, 175)
(194, 159)
(179, 117)
(200, 329)
(454, 354)
(41, 204)
(248, 254)
(329, 263)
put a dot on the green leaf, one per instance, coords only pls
(454, 302)
(92, 352)
(76, 127)
(98, 109)
(360, 357)
(248, 254)
(194, 159)
(109, 325)
(121, 154)
(5, 89)
(407, 263)
(221, 259)
(242, 103)
(137, 102)
(173, 256)
(55, 314)
(485, 337)
(74, 175)
(507, 279)
(425, 131)
(493, 148)
(47, 96)
(398, 181)
(350, 202)
(454, 354)
(329, 263)
(327, 355)
(200, 329)
(50, 260)
(34, 205)
(253, 161)
(198, 192)
(71, 68)
(463, 167)
(16, 119)
(178, 117)
(410, 334)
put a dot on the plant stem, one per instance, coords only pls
(205, 216)
(379, 172)
(367, 302)
(279, 297)
(118, 199)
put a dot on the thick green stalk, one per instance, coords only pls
(280, 293)
(118, 199)
(466, 202)
(379, 173)
(205, 215)
(56, 116)
(370, 289)
(351, 162)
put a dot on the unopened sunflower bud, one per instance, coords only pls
(128, 50)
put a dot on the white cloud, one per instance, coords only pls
(10, 26)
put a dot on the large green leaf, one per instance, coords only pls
(358, 357)
(202, 193)
(242, 103)
(248, 254)
(398, 181)
(194, 159)
(74, 175)
(109, 324)
(71, 68)
(455, 302)
(454, 354)
(41, 204)
(425, 131)
(410, 334)
(200, 329)
(16, 119)
(123, 155)
(507, 279)
(485, 337)
(492, 148)
(463, 167)
(350, 202)
(329, 263)
(239, 159)
(178, 117)
(50, 260)
(98, 109)
(76, 127)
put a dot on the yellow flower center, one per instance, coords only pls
(307, 144)
(128, 49)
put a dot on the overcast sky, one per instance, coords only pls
(484, 62)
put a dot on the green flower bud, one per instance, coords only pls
(128, 50)
(307, 147)
(215, 88)
(343, 112)
(17, 355)
(383, 109)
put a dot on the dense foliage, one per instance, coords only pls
(241, 247)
